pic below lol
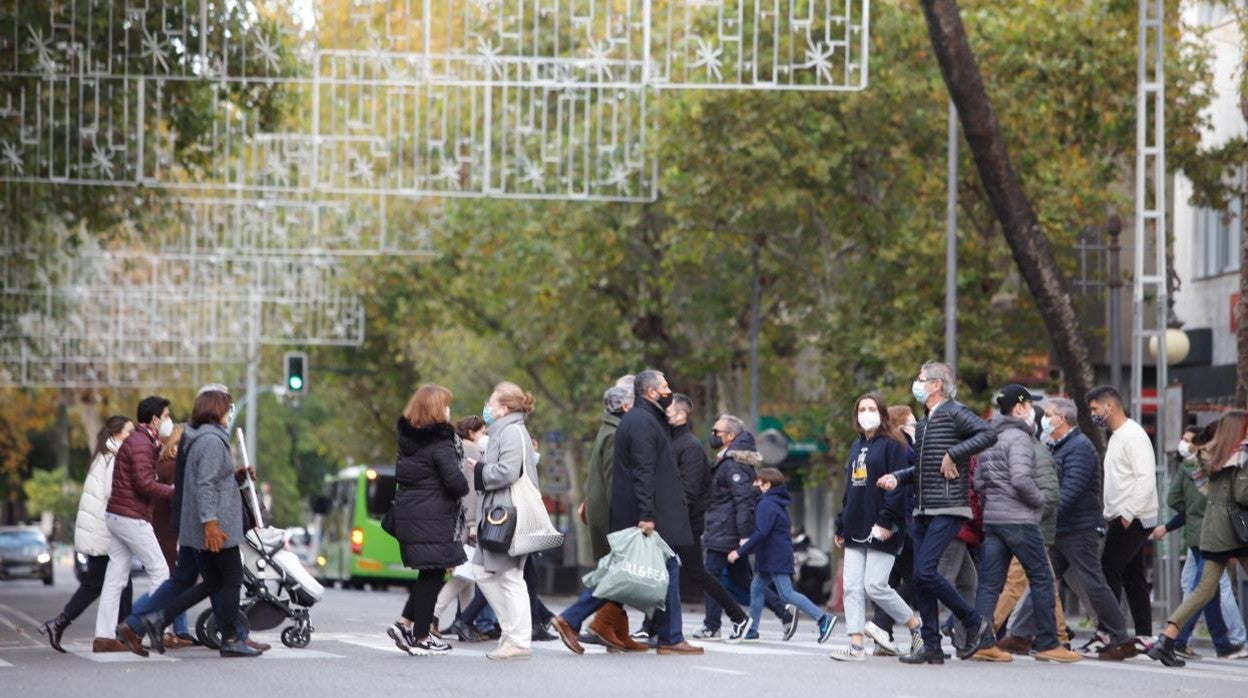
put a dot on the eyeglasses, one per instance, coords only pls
(717, 431)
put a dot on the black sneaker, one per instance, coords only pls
(929, 655)
(978, 639)
(739, 631)
(790, 621)
(429, 646)
(402, 636)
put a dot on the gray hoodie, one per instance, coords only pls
(1005, 478)
(210, 491)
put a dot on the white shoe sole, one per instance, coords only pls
(846, 657)
(399, 642)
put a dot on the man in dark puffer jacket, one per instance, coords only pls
(944, 442)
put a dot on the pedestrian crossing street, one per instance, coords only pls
(356, 646)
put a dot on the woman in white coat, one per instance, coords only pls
(91, 537)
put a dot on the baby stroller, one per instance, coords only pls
(275, 584)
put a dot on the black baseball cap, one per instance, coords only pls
(1011, 395)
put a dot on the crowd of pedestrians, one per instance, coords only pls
(987, 519)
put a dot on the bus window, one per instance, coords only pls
(380, 495)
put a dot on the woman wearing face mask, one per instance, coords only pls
(428, 512)
(1225, 459)
(1187, 497)
(869, 528)
(91, 537)
(508, 457)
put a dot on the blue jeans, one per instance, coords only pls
(931, 535)
(741, 575)
(666, 622)
(784, 586)
(1026, 542)
(1215, 618)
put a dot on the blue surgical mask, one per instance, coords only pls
(1047, 425)
(229, 421)
(919, 390)
(486, 415)
(537, 457)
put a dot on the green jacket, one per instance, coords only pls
(1227, 487)
(1186, 498)
(1046, 480)
(598, 485)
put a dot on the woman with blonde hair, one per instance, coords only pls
(1226, 460)
(428, 519)
(508, 457)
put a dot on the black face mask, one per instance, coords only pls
(715, 441)
(665, 401)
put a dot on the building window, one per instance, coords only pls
(1219, 239)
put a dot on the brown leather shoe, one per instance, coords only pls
(1015, 644)
(682, 648)
(602, 628)
(619, 623)
(259, 646)
(567, 634)
(173, 642)
(131, 640)
(108, 644)
(992, 654)
(1118, 652)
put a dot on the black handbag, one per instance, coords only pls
(497, 529)
(1239, 522)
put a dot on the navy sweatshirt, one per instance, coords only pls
(864, 504)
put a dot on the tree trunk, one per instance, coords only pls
(1027, 240)
(1241, 308)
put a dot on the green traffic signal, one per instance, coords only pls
(296, 365)
(296, 383)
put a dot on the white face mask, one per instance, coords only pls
(1030, 418)
(166, 428)
(483, 441)
(869, 421)
(1185, 450)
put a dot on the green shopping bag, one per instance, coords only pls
(634, 573)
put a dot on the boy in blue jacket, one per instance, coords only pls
(773, 548)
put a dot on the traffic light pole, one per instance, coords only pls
(253, 380)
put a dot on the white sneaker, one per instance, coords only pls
(508, 652)
(880, 638)
(1240, 653)
(849, 654)
(705, 634)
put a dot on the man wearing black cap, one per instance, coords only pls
(1013, 504)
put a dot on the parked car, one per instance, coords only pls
(25, 552)
(80, 565)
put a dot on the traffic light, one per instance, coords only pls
(296, 372)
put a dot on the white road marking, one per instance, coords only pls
(717, 670)
(117, 657)
(20, 615)
(4, 664)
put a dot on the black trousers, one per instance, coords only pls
(422, 596)
(693, 566)
(90, 586)
(1122, 560)
(221, 576)
(537, 610)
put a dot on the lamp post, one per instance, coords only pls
(1115, 301)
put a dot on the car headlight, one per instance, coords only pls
(43, 558)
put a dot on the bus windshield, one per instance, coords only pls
(380, 495)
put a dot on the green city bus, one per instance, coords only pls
(354, 550)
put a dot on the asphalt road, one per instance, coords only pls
(350, 656)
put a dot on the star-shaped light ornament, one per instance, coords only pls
(819, 56)
(707, 56)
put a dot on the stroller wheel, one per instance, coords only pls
(296, 638)
(206, 630)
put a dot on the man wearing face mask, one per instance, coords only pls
(646, 492)
(945, 441)
(128, 515)
(1129, 504)
(1013, 504)
(1188, 497)
(1076, 551)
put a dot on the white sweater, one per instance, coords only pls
(1130, 480)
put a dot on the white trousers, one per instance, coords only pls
(129, 538)
(866, 575)
(509, 596)
(458, 588)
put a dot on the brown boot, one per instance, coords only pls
(603, 628)
(619, 623)
(131, 639)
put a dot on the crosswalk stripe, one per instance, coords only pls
(20, 615)
(4, 664)
(115, 657)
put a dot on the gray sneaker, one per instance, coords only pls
(849, 654)
(705, 634)
(790, 627)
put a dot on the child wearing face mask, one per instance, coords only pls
(772, 546)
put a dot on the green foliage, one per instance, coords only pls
(53, 491)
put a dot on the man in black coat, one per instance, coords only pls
(646, 492)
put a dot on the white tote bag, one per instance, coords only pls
(534, 530)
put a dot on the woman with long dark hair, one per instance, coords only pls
(91, 537)
(428, 516)
(1225, 458)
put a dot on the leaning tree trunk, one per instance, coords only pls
(1241, 308)
(1027, 240)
